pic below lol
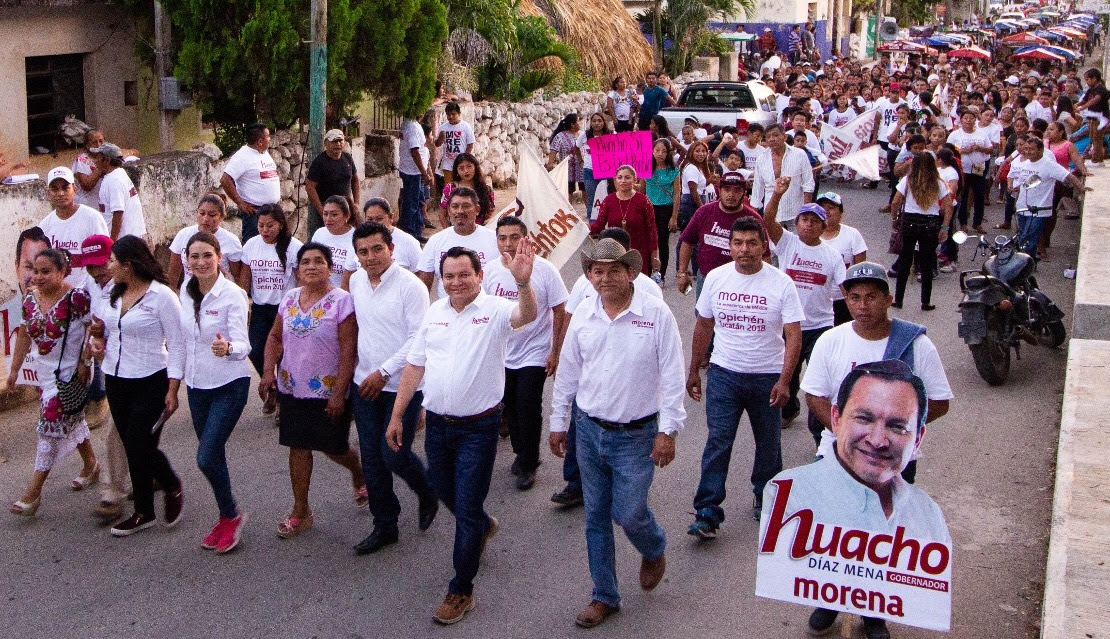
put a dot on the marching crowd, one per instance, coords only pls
(457, 333)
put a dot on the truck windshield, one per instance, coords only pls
(727, 97)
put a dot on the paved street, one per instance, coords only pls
(988, 464)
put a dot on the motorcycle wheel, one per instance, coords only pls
(992, 358)
(1052, 334)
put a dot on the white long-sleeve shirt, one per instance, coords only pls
(795, 165)
(145, 339)
(223, 310)
(388, 318)
(622, 369)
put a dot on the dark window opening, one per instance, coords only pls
(55, 89)
(130, 93)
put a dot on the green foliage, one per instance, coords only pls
(574, 80)
(229, 137)
(516, 77)
(914, 11)
(682, 24)
(494, 20)
(245, 61)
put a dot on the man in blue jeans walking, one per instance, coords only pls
(621, 366)
(466, 335)
(416, 175)
(752, 311)
(390, 303)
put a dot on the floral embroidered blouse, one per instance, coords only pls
(310, 339)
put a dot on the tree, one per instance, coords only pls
(517, 76)
(682, 22)
(245, 61)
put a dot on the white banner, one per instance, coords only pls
(813, 551)
(865, 162)
(554, 226)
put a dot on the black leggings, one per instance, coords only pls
(663, 214)
(136, 405)
(918, 230)
(974, 187)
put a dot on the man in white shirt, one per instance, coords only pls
(416, 175)
(465, 337)
(69, 223)
(464, 231)
(1040, 173)
(782, 161)
(1041, 107)
(621, 366)
(583, 294)
(456, 137)
(886, 119)
(390, 303)
(879, 419)
(119, 199)
(533, 353)
(871, 336)
(975, 150)
(406, 249)
(752, 313)
(817, 271)
(250, 178)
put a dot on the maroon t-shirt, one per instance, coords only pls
(709, 231)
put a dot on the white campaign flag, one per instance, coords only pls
(865, 162)
(554, 226)
(561, 175)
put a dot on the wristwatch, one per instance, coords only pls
(228, 349)
(385, 375)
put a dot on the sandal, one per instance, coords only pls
(84, 481)
(362, 498)
(293, 526)
(25, 509)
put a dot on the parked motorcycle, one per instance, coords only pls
(1002, 307)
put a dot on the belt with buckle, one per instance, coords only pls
(632, 425)
(453, 420)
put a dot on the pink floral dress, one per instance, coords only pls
(310, 340)
(59, 434)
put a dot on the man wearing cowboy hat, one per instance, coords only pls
(621, 363)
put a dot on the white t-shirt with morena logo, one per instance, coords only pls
(231, 250)
(817, 272)
(482, 241)
(342, 252)
(269, 280)
(68, 234)
(749, 312)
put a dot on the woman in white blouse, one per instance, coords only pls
(144, 355)
(923, 208)
(217, 375)
(211, 212)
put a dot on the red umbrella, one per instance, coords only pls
(1024, 38)
(972, 52)
(1039, 53)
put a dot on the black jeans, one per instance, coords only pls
(663, 214)
(524, 413)
(918, 230)
(258, 331)
(136, 405)
(809, 338)
(975, 187)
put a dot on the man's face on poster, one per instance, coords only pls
(25, 264)
(877, 430)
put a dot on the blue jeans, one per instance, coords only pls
(571, 474)
(460, 466)
(250, 225)
(1029, 233)
(258, 331)
(591, 189)
(727, 396)
(616, 477)
(215, 412)
(412, 205)
(379, 462)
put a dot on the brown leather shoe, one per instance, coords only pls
(651, 572)
(594, 613)
(453, 609)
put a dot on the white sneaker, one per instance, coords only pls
(949, 267)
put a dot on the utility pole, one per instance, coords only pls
(317, 77)
(161, 70)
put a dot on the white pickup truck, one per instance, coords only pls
(735, 104)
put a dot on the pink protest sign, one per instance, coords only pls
(609, 152)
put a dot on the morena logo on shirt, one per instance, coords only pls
(643, 324)
(729, 296)
(212, 311)
(480, 320)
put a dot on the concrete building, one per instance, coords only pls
(76, 57)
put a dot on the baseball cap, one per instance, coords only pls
(1012, 80)
(894, 86)
(867, 272)
(108, 150)
(334, 134)
(60, 173)
(815, 209)
(733, 178)
(829, 196)
(94, 251)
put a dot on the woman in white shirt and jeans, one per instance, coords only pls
(925, 217)
(143, 356)
(217, 375)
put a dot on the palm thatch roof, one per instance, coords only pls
(608, 40)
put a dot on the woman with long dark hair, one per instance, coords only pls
(598, 126)
(310, 361)
(621, 104)
(144, 360)
(562, 145)
(923, 207)
(56, 318)
(217, 376)
(269, 270)
(663, 189)
(468, 172)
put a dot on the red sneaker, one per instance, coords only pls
(232, 533)
(213, 539)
